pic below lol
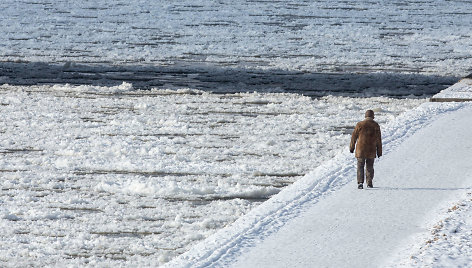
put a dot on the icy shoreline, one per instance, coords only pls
(114, 176)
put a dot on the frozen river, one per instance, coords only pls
(235, 45)
(115, 176)
(96, 171)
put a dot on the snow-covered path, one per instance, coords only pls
(360, 228)
(323, 220)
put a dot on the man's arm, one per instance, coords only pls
(379, 143)
(355, 135)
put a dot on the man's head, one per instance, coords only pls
(369, 113)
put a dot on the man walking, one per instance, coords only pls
(369, 143)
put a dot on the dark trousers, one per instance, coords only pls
(369, 166)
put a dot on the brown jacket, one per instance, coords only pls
(368, 137)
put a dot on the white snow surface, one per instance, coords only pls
(415, 216)
(460, 90)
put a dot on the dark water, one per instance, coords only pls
(219, 79)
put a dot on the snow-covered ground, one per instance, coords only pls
(449, 243)
(416, 215)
